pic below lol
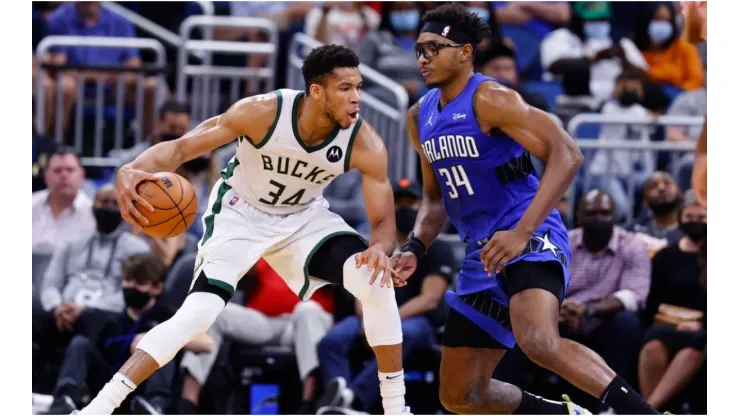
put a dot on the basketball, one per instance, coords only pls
(175, 205)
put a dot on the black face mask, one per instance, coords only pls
(663, 208)
(596, 234)
(107, 219)
(135, 298)
(405, 219)
(197, 165)
(629, 98)
(168, 137)
(696, 231)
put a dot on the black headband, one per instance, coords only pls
(454, 33)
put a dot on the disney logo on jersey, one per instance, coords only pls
(334, 154)
(458, 116)
(449, 146)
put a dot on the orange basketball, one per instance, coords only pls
(174, 201)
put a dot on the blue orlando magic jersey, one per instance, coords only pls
(487, 183)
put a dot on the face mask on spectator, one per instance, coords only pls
(405, 21)
(696, 231)
(629, 98)
(659, 31)
(107, 219)
(197, 165)
(405, 219)
(597, 29)
(135, 298)
(597, 233)
(663, 208)
(481, 12)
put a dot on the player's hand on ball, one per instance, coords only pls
(377, 262)
(126, 181)
(404, 264)
(502, 248)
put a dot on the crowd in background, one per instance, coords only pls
(637, 295)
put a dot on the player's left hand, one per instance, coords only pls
(502, 248)
(377, 262)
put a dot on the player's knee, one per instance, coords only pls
(199, 311)
(460, 398)
(356, 282)
(540, 346)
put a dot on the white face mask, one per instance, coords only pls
(660, 31)
(597, 29)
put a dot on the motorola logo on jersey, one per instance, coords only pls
(448, 146)
(334, 154)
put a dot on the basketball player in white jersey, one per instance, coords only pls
(268, 203)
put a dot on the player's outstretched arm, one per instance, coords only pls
(251, 117)
(498, 107)
(370, 157)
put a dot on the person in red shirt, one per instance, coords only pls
(272, 314)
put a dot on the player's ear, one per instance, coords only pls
(467, 53)
(316, 91)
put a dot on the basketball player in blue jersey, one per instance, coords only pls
(474, 138)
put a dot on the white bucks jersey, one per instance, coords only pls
(284, 175)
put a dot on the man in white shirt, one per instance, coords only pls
(62, 212)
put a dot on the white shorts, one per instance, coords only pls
(236, 235)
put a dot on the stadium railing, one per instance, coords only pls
(613, 147)
(389, 121)
(205, 96)
(120, 112)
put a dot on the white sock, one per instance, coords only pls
(110, 397)
(392, 390)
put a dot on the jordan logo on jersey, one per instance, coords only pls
(334, 154)
(295, 168)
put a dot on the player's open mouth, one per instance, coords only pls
(353, 116)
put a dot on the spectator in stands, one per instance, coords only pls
(671, 60)
(610, 278)
(538, 16)
(85, 275)
(675, 343)
(663, 198)
(585, 54)
(90, 19)
(420, 306)
(61, 213)
(390, 50)
(346, 199)
(689, 104)
(272, 314)
(93, 361)
(499, 62)
(625, 165)
(486, 11)
(341, 23)
(43, 148)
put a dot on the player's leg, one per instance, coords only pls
(230, 247)
(469, 358)
(536, 290)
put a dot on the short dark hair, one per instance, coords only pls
(143, 268)
(173, 106)
(457, 14)
(496, 50)
(323, 60)
(64, 151)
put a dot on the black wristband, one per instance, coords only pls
(415, 246)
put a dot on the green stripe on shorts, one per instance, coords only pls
(227, 173)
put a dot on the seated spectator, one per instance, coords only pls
(499, 62)
(671, 59)
(90, 19)
(346, 199)
(272, 314)
(93, 362)
(420, 306)
(692, 104)
(675, 346)
(663, 198)
(62, 212)
(610, 278)
(85, 275)
(539, 17)
(341, 23)
(486, 11)
(390, 49)
(586, 55)
(43, 148)
(624, 165)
